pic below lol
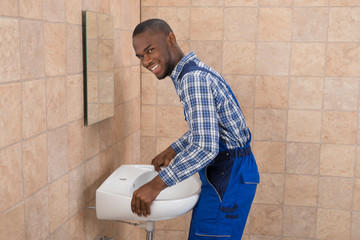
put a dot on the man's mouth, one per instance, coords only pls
(154, 68)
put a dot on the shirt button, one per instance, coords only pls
(222, 173)
(227, 154)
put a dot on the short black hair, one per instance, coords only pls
(154, 24)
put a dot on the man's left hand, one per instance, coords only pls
(145, 196)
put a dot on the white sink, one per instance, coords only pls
(113, 197)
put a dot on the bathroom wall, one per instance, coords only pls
(294, 66)
(50, 163)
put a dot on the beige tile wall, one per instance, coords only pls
(50, 163)
(295, 67)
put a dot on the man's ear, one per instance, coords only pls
(172, 39)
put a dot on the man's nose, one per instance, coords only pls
(146, 61)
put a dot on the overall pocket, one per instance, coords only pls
(206, 230)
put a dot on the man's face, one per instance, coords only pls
(153, 50)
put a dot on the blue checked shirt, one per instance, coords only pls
(212, 115)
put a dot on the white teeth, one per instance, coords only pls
(154, 67)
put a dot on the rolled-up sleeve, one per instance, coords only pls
(200, 145)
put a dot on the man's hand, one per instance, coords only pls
(145, 196)
(163, 159)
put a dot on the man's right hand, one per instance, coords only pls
(163, 159)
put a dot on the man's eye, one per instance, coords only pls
(150, 50)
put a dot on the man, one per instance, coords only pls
(217, 145)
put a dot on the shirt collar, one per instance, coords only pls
(178, 68)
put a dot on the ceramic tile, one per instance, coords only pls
(57, 153)
(146, 3)
(307, 59)
(238, 58)
(54, 10)
(356, 197)
(148, 120)
(175, 235)
(170, 121)
(311, 3)
(131, 117)
(58, 202)
(163, 143)
(91, 141)
(335, 193)
(105, 28)
(273, 58)
(341, 3)
(270, 156)
(274, 24)
(269, 124)
(148, 12)
(344, 25)
(9, 49)
(243, 88)
(178, 19)
(31, 9)
(166, 93)
(61, 233)
(172, 224)
(301, 190)
(337, 160)
(11, 187)
(266, 219)
(201, 19)
(10, 110)
(306, 93)
(37, 215)
(241, 3)
(207, 3)
(302, 158)
(12, 223)
(55, 48)
(343, 59)
(148, 149)
(130, 88)
(92, 175)
(105, 55)
(123, 55)
(32, 47)
(74, 51)
(299, 222)
(76, 143)
(77, 225)
(339, 127)
(341, 94)
(77, 189)
(125, 14)
(72, 11)
(9, 8)
(275, 3)
(333, 224)
(271, 189)
(355, 223)
(310, 24)
(34, 160)
(240, 24)
(33, 108)
(75, 97)
(304, 126)
(174, 3)
(56, 102)
(205, 52)
(271, 92)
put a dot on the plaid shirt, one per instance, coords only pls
(212, 115)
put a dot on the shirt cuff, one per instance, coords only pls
(177, 147)
(168, 176)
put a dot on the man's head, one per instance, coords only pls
(156, 47)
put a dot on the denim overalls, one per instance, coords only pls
(228, 188)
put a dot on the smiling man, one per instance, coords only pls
(217, 144)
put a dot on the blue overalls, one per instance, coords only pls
(228, 188)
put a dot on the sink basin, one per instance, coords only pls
(113, 197)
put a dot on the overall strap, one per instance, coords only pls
(191, 66)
